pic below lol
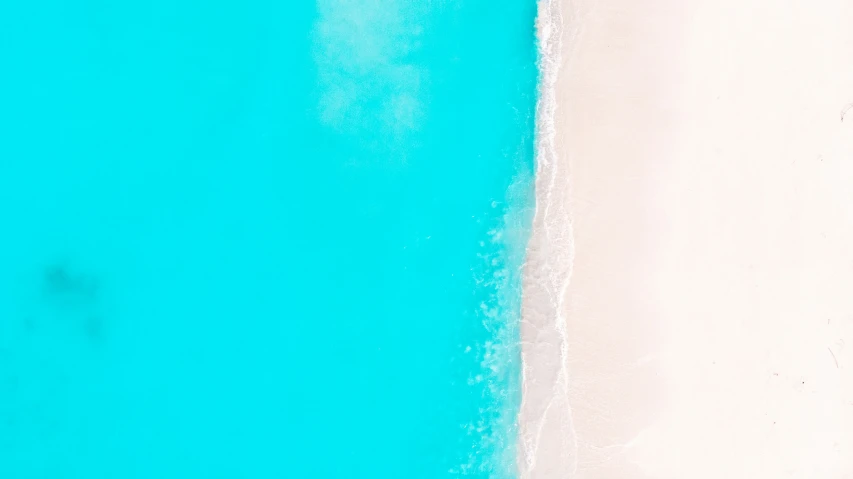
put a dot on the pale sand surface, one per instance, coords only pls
(706, 329)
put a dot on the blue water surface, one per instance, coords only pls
(262, 239)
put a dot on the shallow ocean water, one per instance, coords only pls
(263, 239)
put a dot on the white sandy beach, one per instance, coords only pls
(688, 304)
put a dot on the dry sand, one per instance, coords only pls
(688, 307)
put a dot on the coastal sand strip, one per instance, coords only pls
(688, 306)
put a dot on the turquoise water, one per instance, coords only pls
(262, 239)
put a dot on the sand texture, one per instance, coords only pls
(688, 304)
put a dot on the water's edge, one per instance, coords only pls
(548, 270)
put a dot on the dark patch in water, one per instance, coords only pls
(59, 281)
(75, 295)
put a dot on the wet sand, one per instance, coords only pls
(688, 305)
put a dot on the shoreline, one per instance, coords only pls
(686, 307)
(545, 415)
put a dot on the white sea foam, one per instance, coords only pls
(367, 82)
(545, 381)
(493, 432)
